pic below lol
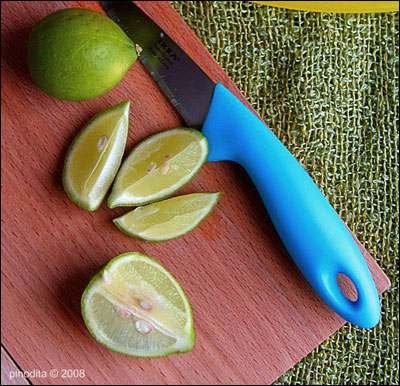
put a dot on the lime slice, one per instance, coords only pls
(136, 307)
(158, 167)
(168, 219)
(95, 155)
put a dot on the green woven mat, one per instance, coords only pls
(328, 87)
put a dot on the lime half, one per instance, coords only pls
(95, 155)
(136, 307)
(158, 167)
(168, 219)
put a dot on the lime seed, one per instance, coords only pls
(164, 169)
(101, 144)
(146, 305)
(143, 327)
(122, 312)
(151, 168)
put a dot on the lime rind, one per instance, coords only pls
(119, 220)
(107, 176)
(107, 269)
(77, 54)
(116, 198)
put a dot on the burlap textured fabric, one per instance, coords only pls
(327, 85)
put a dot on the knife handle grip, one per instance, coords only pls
(313, 233)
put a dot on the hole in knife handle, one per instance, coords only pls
(347, 287)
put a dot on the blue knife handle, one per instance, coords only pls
(313, 233)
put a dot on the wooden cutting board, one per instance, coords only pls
(255, 315)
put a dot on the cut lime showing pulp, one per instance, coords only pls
(95, 155)
(168, 219)
(136, 307)
(158, 167)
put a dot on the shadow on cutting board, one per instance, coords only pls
(71, 288)
(14, 59)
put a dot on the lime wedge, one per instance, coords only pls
(95, 155)
(136, 307)
(168, 219)
(158, 167)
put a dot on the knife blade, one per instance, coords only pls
(313, 233)
(173, 70)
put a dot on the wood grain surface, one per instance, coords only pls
(255, 315)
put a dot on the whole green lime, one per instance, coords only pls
(77, 54)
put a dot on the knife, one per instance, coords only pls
(313, 233)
